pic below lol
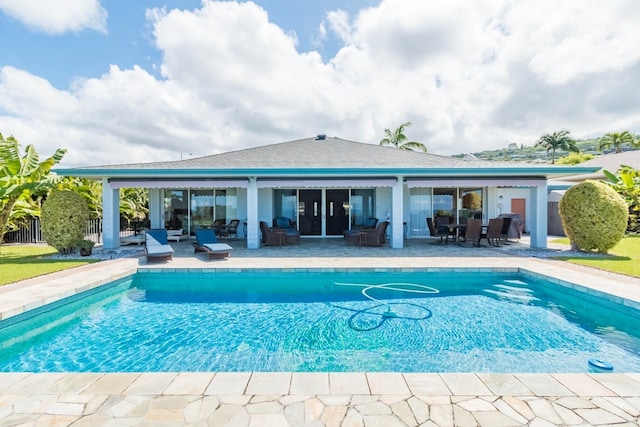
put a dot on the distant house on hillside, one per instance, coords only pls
(609, 162)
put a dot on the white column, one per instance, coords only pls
(253, 240)
(538, 224)
(156, 208)
(397, 216)
(110, 216)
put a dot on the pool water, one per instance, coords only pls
(339, 322)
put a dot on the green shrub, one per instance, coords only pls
(594, 216)
(64, 220)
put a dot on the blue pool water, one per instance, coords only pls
(376, 321)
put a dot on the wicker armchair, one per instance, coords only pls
(272, 237)
(375, 237)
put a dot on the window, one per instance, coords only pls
(419, 211)
(362, 206)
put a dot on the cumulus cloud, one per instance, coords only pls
(470, 76)
(57, 16)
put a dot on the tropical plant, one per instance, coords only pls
(594, 216)
(64, 220)
(574, 158)
(89, 189)
(20, 178)
(617, 140)
(559, 140)
(134, 205)
(626, 182)
(398, 139)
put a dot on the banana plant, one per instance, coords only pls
(626, 182)
(21, 176)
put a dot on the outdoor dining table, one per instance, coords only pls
(455, 230)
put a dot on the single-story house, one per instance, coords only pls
(326, 185)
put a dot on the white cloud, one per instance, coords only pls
(470, 76)
(57, 16)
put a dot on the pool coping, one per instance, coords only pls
(272, 398)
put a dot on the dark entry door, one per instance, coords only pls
(337, 212)
(310, 212)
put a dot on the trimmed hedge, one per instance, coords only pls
(64, 220)
(594, 216)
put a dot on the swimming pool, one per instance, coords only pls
(315, 321)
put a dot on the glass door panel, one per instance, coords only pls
(202, 209)
(444, 203)
(310, 212)
(337, 212)
(419, 211)
(362, 206)
(176, 209)
(285, 203)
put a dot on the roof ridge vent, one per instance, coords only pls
(321, 137)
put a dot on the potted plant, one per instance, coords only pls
(85, 247)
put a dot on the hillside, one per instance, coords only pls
(532, 154)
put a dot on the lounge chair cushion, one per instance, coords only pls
(218, 247)
(156, 248)
(205, 235)
(156, 237)
(159, 250)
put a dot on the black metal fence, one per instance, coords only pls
(32, 232)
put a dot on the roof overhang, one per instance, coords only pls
(178, 183)
(489, 182)
(467, 172)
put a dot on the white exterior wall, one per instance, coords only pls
(406, 209)
(383, 203)
(397, 215)
(265, 203)
(110, 216)
(514, 193)
(539, 219)
(253, 236)
(156, 208)
(492, 207)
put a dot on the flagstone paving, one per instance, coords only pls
(318, 399)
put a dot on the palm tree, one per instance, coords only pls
(398, 139)
(20, 177)
(559, 140)
(616, 139)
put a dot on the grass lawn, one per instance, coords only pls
(19, 262)
(624, 258)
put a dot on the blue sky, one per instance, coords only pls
(60, 58)
(155, 78)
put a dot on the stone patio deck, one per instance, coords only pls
(319, 399)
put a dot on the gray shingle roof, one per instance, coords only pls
(330, 153)
(609, 162)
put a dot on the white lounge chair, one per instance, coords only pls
(157, 246)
